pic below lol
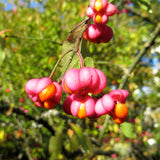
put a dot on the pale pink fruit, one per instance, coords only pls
(93, 31)
(107, 34)
(108, 103)
(89, 12)
(71, 81)
(95, 79)
(111, 9)
(100, 18)
(99, 109)
(98, 5)
(42, 84)
(104, 105)
(83, 81)
(57, 96)
(117, 95)
(83, 101)
(67, 104)
(30, 86)
(102, 82)
(85, 77)
(125, 92)
(92, 4)
(98, 32)
(35, 86)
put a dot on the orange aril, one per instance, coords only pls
(98, 5)
(67, 89)
(120, 111)
(47, 93)
(82, 111)
(118, 120)
(98, 18)
(49, 104)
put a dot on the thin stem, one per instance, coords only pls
(110, 63)
(81, 60)
(102, 130)
(142, 52)
(32, 38)
(52, 73)
(70, 59)
(38, 120)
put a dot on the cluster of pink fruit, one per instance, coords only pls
(82, 83)
(99, 11)
(79, 82)
(43, 92)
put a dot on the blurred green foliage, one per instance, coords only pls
(30, 47)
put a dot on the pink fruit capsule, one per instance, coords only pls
(108, 103)
(99, 109)
(30, 86)
(90, 12)
(125, 92)
(101, 18)
(102, 82)
(95, 79)
(71, 81)
(82, 106)
(42, 84)
(98, 5)
(85, 77)
(107, 34)
(93, 31)
(111, 9)
(67, 104)
(57, 96)
(117, 95)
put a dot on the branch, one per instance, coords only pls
(102, 152)
(135, 13)
(59, 60)
(102, 130)
(69, 61)
(113, 64)
(29, 117)
(32, 38)
(142, 52)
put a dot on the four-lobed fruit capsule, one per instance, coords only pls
(79, 105)
(44, 92)
(100, 10)
(98, 33)
(83, 81)
(79, 82)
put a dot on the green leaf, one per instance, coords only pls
(110, 1)
(89, 62)
(118, 148)
(2, 56)
(128, 130)
(80, 136)
(74, 143)
(70, 44)
(144, 4)
(89, 144)
(84, 48)
(55, 143)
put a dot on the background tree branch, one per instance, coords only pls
(141, 53)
